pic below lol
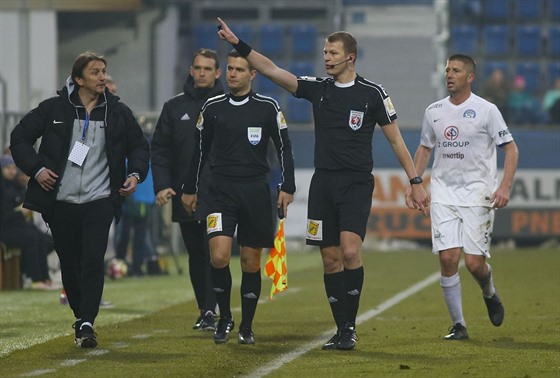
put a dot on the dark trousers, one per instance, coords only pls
(80, 233)
(196, 242)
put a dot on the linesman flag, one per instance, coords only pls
(276, 266)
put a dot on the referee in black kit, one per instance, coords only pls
(346, 109)
(235, 129)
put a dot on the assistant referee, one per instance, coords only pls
(235, 130)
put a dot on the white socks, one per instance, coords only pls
(452, 293)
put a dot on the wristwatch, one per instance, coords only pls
(134, 174)
(416, 180)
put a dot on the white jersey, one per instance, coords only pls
(464, 138)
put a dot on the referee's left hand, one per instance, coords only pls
(189, 203)
(284, 199)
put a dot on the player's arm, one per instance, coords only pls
(421, 160)
(261, 63)
(500, 198)
(419, 196)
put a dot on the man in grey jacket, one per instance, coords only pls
(92, 154)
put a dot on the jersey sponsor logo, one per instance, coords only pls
(200, 121)
(314, 229)
(451, 133)
(435, 106)
(281, 121)
(356, 119)
(456, 155)
(389, 106)
(503, 133)
(254, 134)
(469, 113)
(185, 117)
(214, 223)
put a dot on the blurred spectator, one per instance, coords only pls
(110, 84)
(523, 107)
(551, 103)
(137, 216)
(496, 90)
(19, 231)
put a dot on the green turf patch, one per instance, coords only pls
(149, 332)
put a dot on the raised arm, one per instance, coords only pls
(261, 63)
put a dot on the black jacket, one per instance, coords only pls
(173, 144)
(126, 147)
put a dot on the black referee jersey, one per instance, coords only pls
(345, 116)
(234, 135)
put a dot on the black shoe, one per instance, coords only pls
(77, 332)
(332, 343)
(208, 322)
(495, 309)
(225, 325)
(457, 332)
(348, 338)
(197, 323)
(245, 336)
(87, 337)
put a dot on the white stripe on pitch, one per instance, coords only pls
(290, 356)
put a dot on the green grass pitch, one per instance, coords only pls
(148, 333)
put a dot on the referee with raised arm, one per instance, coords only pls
(346, 108)
(235, 130)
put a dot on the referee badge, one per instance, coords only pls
(214, 223)
(356, 119)
(254, 135)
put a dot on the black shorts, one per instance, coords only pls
(337, 202)
(245, 204)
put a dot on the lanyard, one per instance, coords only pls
(85, 128)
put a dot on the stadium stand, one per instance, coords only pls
(553, 71)
(554, 9)
(271, 39)
(528, 9)
(518, 36)
(490, 66)
(304, 37)
(245, 32)
(528, 40)
(554, 40)
(496, 40)
(298, 110)
(301, 68)
(496, 10)
(531, 71)
(464, 38)
(205, 36)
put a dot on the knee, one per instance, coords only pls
(219, 260)
(476, 267)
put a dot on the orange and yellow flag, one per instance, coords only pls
(276, 266)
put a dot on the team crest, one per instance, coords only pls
(254, 134)
(469, 113)
(356, 119)
(213, 222)
(314, 230)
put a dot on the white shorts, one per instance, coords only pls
(469, 228)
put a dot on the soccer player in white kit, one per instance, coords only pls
(463, 130)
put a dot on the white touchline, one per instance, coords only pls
(290, 356)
